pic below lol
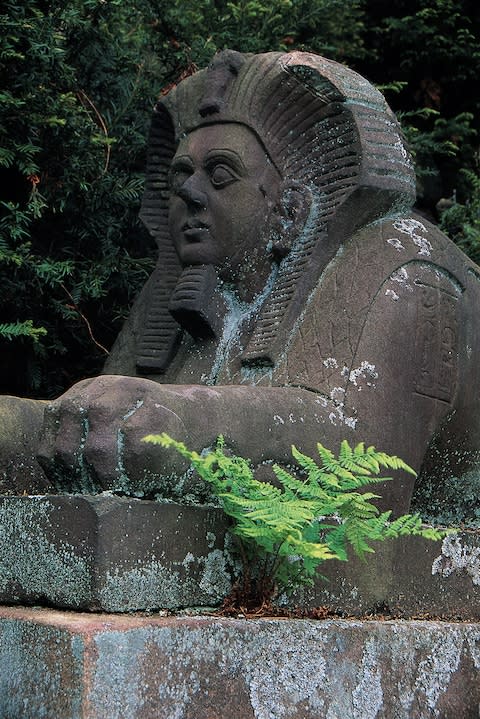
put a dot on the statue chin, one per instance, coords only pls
(197, 304)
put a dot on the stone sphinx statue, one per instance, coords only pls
(296, 298)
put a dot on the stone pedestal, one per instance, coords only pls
(60, 665)
(112, 554)
(122, 555)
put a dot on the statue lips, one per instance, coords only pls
(194, 246)
(195, 230)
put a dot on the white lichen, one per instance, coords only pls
(37, 558)
(337, 403)
(365, 371)
(457, 557)
(395, 242)
(215, 579)
(413, 228)
(437, 669)
(367, 696)
(392, 294)
(401, 277)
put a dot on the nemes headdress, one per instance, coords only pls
(322, 125)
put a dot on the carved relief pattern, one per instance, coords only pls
(436, 344)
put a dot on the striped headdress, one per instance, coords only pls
(322, 125)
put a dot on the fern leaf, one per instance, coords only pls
(362, 481)
(390, 461)
(335, 539)
(406, 524)
(304, 489)
(357, 532)
(325, 454)
(14, 330)
(304, 461)
(352, 460)
(306, 521)
(287, 480)
(285, 516)
(314, 550)
(354, 504)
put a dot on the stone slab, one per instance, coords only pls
(88, 666)
(407, 577)
(122, 555)
(109, 553)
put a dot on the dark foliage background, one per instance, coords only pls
(77, 83)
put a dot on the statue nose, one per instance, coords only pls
(191, 193)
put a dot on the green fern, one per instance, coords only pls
(312, 517)
(13, 330)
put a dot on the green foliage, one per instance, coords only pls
(435, 141)
(426, 53)
(460, 221)
(77, 83)
(289, 530)
(22, 329)
(197, 30)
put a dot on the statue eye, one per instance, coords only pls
(222, 175)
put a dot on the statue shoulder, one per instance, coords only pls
(381, 291)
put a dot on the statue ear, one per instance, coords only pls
(289, 217)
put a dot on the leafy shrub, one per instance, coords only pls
(74, 118)
(426, 54)
(77, 83)
(461, 221)
(287, 531)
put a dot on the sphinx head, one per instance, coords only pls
(224, 193)
(256, 164)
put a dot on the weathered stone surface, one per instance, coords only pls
(55, 664)
(407, 577)
(20, 424)
(109, 553)
(123, 555)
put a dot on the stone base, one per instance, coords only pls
(59, 665)
(122, 555)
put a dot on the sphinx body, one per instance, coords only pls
(296, 298)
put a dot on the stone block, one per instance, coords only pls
(122, 555)
(406, 577)
(86, 666)
(109, 553)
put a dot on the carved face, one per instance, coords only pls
(223, 189)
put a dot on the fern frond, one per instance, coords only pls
(307, 520)
(354, 504)
(283, 514)
(357, 532)
(316, 474)
(13, 330)
(306, 463)
(406, 524)
(411, 524)
(313, 550)
(352, 459)
(304, 489)
(360, 481)
(389, 461)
